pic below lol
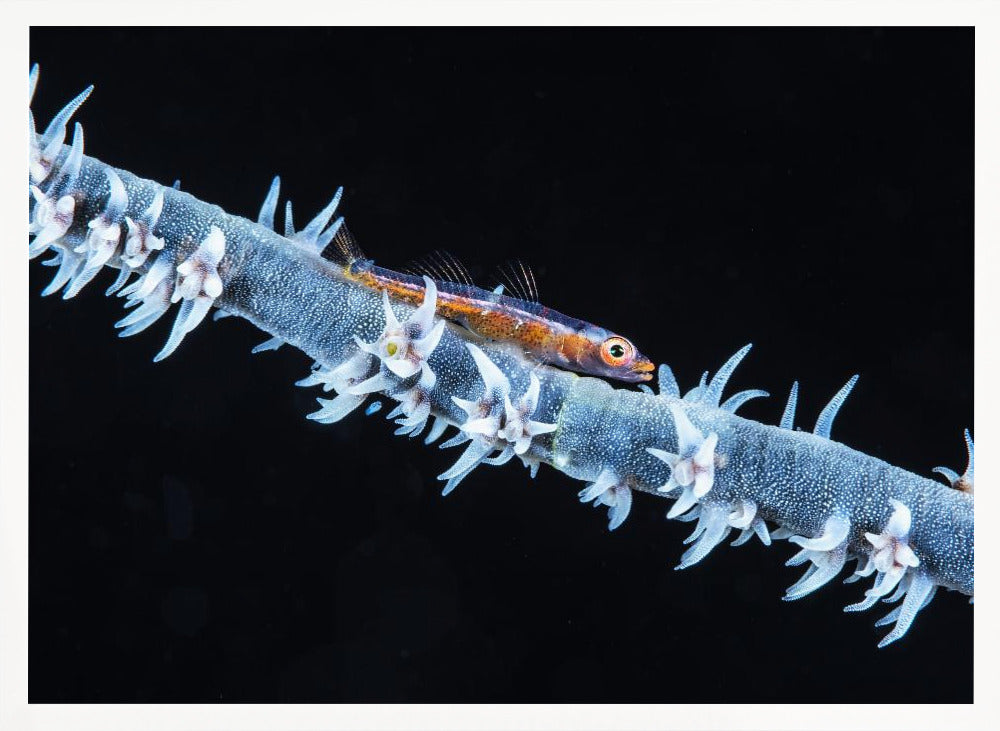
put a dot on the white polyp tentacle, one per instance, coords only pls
(743, 514)
(866, 567)
(51, 220)
(918, 595)
(317, 377)
(518, 428)
(609, 490)
(45, 148)
(415, 404)
(949, 475)
(269, 344)
(150, 309)
(532, 465)
(403, 347)
(477, 451)
(494, 422)
(270, 206)
(966, 481)
(690, 516)
(103, 237)
(970, 468)
(343, 379)
(36, 172)
(123, 274)
(460, 438)
(713, 527)
(712, 393)
(349, 374)
(505, 456)
(745, 535)
(98, 248)
(198, 275)
(378, 382)
(66, 177)
(496, 384)
(744, 518)
(735, 401)
(895, 562)
(667, 383)
(835, 532)
(42, 210)
(140, 241)
(827, 553)
(715, 521)
(900, 592)
(198, 286)
(158, 271)
(69, 264)
(788, 416)
(313, 235)
(52, 213)
(335, 409)
(885, 583)
(606, 480)
(824, 423)
(695, 394)
(758, 527)
(437, 429)
(289, 223)
(693, 467)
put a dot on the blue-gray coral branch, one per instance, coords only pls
(723, 471)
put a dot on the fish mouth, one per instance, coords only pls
(643, 370)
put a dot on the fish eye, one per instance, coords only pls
(616, 351)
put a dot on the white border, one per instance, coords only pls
(15, 713)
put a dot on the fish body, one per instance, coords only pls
(544, 333)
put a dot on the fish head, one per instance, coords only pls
(614, 356)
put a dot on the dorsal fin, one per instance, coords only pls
(441, 266)
(343, 249)
(517, 277)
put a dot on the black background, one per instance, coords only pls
(194, 538)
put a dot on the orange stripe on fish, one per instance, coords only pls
(547, 335)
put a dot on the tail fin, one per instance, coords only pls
(343, 250)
